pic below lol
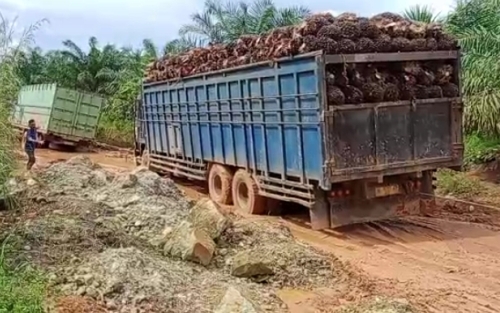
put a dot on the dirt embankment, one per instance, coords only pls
(129, 241)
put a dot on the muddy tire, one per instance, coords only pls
(246, 196)
(220, 182)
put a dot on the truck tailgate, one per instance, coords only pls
(368, 140)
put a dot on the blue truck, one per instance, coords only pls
(264, 133)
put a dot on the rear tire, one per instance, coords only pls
(246, 196)
(220, 180)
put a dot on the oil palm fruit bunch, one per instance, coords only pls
(344, 34)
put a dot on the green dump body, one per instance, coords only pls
(61, 114)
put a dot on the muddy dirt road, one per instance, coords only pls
(441, 264)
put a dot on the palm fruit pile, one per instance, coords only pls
(344, 34)
(386, 82)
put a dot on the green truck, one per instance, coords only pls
(63, 116)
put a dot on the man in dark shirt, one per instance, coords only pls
(30, 141)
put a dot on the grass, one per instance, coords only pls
(22, 288)
(458, 184)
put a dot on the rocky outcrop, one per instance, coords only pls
(188, 243)
(248, 264)
(206, 216)
(193, 239)
(234, 302)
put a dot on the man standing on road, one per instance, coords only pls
(29, 143)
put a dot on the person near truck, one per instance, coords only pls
(29, 142)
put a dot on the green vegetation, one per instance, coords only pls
(10, 82)
(22, 288)
(458, 184)
(476, 24)
(226, 21)
(480, 149)
(422, 13)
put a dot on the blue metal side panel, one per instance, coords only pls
(262, 118)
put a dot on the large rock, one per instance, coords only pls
(206, 216)
(188, 243)
(234, 302)
(250, 264)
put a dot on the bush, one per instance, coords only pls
(480, 149)
(116, 132)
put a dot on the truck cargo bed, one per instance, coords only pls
(60, 113)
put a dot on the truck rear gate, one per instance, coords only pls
(273, 120)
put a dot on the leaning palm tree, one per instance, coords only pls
(422, 13)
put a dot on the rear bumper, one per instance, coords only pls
(336, 176)
(342, 214)
(337, 214)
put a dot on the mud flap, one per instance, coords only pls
(320, 212)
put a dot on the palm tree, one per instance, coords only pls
(422, 13)
(176, 46)
(476, 24)
(204, 25)
(226, 21)
(95, 71)
(32, 66)
(180, 45)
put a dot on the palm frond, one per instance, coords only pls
(422, 13)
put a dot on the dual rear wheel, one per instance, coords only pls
(239, 189)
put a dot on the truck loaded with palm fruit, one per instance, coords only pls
(347, 116)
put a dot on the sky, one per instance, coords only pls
(128, 22)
